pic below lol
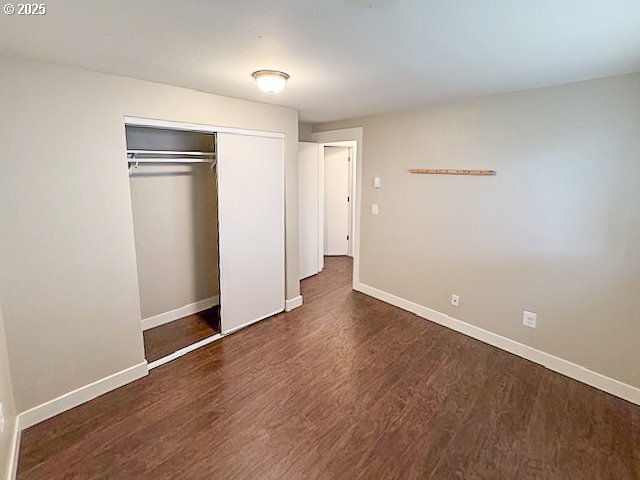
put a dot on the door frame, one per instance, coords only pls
(352, 146)
(348, 137)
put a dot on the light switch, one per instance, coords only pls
(374, 209)
(376, 182)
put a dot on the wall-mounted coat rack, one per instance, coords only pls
(448, 171)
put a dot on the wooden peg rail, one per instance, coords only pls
(447, 171)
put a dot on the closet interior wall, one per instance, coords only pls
(176, 234)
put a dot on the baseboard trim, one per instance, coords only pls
(181, 312)
(79, 396)
(184, 351)
(557, 364)
(293, 303)
(14, 452)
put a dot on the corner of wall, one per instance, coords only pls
(11, 471)
(10, 433)
(304, 132)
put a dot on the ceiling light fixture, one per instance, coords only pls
(270, 81)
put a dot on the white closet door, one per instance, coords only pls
(251, 228)
(309, 232)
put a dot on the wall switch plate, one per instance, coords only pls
(374, 209)
(376, 182)
(455, 300)
(529, 319)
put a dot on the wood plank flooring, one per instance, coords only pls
(170, 337)
(345, 387)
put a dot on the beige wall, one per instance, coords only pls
(176, 235)
(6, 398)
(557, 231)
(304, 132)
(68, 285)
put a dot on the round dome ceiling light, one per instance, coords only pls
(270, 81)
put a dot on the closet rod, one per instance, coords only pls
(133, 153)
(133, 162)
(170, 160)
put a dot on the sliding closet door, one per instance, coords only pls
(251, 228)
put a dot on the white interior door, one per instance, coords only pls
(309, 233)
(336, 201)
(251, 228)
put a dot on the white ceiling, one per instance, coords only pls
(346, 58)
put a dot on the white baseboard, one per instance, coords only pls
(14, 453)
(293, 303)
(565, 367)
(178, 313)
(184, 351)
(79, 396)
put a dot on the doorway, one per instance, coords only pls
(174, 197)
(327, 201)
(337, 199)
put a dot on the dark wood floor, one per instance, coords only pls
(345, 387)
(170, 337)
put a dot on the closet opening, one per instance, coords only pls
(174, 194)
(209, 221)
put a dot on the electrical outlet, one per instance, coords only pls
(376, 182)
(455, 300)
(529, 319)
(374, 209)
